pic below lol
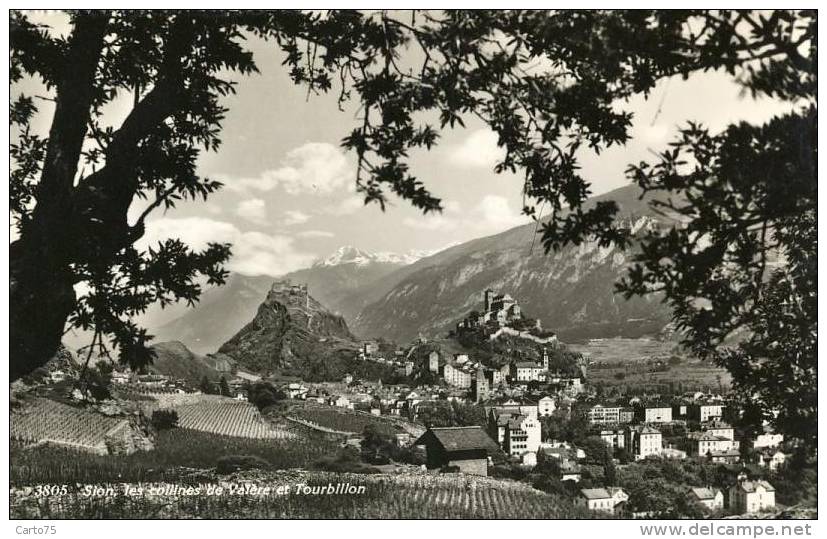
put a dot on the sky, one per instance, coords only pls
(289, 187)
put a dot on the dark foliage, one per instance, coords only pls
(263, 394)
(236, 463)
(164, 419)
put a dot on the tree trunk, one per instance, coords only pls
(40, 300)
(41, 293)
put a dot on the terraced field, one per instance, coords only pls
(43, 420)
(227, 417)
(383, 496)
(348, 421)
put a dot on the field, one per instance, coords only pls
(227, 417)
(619, 350)
(384, 496)
(648, 365)
(177, 452)
(342, 420)
(44, 420)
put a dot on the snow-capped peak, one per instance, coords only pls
(347, 254)
(353, 255)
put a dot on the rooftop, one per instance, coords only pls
(460, 438)
(704, 493)
(595, 493)
(752, 486)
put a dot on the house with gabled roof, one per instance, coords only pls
(611, 500)
(751, 496)
(711, 498)
(467, 448)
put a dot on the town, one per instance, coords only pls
(534, 414)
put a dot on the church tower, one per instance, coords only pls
(488, 296)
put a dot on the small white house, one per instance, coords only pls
(711, 498)
(609, 500)
(751, 496)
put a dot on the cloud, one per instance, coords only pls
(497, 214)
(492, 214)
(253, 209)
(432, 222)
(254, 253)
(316, 234)
(315, 167)
(294, 217)
(478, 150)
(346, 206)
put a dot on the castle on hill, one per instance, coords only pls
(296, 294)
(500, 310)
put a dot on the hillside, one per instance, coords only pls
(571, 291)
(174, 359)
(292, 332)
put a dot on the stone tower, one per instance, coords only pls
(488, 296)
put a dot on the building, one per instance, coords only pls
(701, 444)
(772, 459)
(295, 391)
(467, 448)
(339, 401)
(729, 456)
(570, 471)
(498, 310)
(613, 438)
(711, 498)
(528, 371)
(719, 428)
(609, 415)
(767, 439)
(369, 348)
(347, 379)
(456, 376)
(751, 496)
(433, 361)
(522, 435)
(705, 411)
(611, 500)
(644, 441)
(546, 406)
(655, 413)
(409, 368)
(500, 416)
(480, 387)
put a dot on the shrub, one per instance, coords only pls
(263, 394)
(164, 419)
(235, 463)
(346, 460)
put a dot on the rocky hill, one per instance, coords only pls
(571, 291)
(342, 281)
(292, 332)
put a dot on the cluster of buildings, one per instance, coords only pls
(498, 310)
(370, 352)
(468, 449)
(637, 428)
(487, 383)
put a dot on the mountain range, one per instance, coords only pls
(397, 297)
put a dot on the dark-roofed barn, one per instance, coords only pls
(467, 448)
